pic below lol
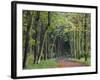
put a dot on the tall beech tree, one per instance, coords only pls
(28, 25)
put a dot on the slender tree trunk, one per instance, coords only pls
(62, 47)
(45, 49)
(37, 17)
(52, 47)
(29, 19)
(75, 43)
(71, 45)
(85, 37)
(35, 47)
(58, 47)
(44, 37)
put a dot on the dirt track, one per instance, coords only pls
(69, 63)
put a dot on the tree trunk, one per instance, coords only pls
(44, 37)
(29, 20)
(37, 17)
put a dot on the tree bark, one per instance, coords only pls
(37, 17)
(29, 19)
(44, 37)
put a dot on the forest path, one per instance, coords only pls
(69, 63)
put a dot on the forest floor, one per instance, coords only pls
(57, 63)
(70, 63)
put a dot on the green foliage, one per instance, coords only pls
(43, 64)
(44, 17)
(69, 33)
(32, 42)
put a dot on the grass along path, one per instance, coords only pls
(43, 64)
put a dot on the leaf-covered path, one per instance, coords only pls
(69, 63)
